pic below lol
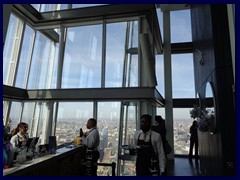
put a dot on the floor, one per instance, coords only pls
(182, 166)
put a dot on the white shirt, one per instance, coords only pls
(157, 144)
(92, 139)
(18, 137)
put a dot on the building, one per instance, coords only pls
(64, 60)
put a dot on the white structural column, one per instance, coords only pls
(168, 80)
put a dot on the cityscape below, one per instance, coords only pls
(66, 131)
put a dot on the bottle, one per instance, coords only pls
(81, 132)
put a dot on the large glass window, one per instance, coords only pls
(15, 114)
(83, 57)
(71, 117)
(183, 76)
(108, 126)
(115, 54)
(181, 126)
(27, 116)
(25, 58)
(41, 70)
(181, 26)
(11, 49)
(130, 111)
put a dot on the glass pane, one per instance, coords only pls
(181, 26)
(116, 34)
(133, 34)
(27, 115)
(183, 76)
(181, 124)
(71, 117)
(50, 7)
(15, 114)
(108, 126)
(85, 5)
(36, 6)
(55, 69)
(133, 79)
(83, 57)
(25, 58)
(127, 168)
(11, 49)
(160, 20)
(44, 122)
(42, 63)
(160, 74)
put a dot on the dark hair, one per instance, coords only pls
(159, 119)
(147, 117)
(194, 122)
(20, 125)
(94, 121)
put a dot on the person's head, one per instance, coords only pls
(194, 123)
(22, 128)
(91, 123)
(158, 120)
(145, 122)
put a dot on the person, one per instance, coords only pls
(91, 140)
(193, 140)
(19, 136)
(160, 128)
(151, 159)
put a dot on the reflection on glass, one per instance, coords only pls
(25, 58)
(121, 60)
(15, 114)
(115, 42)
(49, 7)
(85, 5)
(11, 49)
(70, 118)
(40, 76)
(83, 57)
(181, 125)
(108, 125)
(127, 168)
(27, 116)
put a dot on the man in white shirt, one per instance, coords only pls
(91, 140)
(151, 159)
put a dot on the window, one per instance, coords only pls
(71, 117)
(181, 26)
(41, 70)
(183, 76)
(108, 119)
(11, 49)
(25, 58)
(83, 57)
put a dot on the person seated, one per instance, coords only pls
(19, 136)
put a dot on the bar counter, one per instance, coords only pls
(65, 162)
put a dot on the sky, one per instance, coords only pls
(182, 74)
